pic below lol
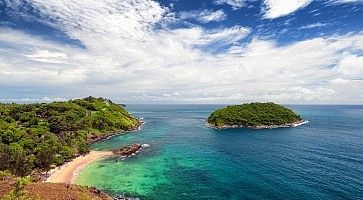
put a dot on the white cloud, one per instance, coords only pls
(314, 25)
(345, 1)
(236, 4)
(23, 63)
(200, 36)
(204, 16)
(130, 19)
(351, 67)
(127, 58)
(278, 8)
(47, 56)
(44, 99)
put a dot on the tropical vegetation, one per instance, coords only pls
(253, 115)
(40, 135)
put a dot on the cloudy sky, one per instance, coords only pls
(182, 51)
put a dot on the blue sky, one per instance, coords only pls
(182, 51)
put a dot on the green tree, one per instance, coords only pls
(5, 156)
(20, 163)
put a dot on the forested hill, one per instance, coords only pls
(253, 115)
(36, 136)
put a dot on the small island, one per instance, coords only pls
(254, 115)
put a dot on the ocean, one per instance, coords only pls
(322, 159)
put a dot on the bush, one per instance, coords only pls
(18, 192)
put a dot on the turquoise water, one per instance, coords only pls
(319, 160)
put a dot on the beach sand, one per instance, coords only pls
(69, 171)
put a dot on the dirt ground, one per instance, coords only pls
(54, 191)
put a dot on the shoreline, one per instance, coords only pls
(120, 132)
(288, 125)
(68, 172)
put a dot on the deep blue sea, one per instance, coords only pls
(186, 160)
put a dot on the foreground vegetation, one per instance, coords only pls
(253, 115)
(37, 136)
(24, 188)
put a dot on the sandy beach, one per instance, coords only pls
(69, 171)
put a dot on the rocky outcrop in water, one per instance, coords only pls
(128, 150)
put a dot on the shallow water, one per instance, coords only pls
(319, 160)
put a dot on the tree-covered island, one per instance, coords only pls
(38, 136)
(254, 115)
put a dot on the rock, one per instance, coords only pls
(128, 150)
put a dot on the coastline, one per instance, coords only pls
(120, 132)
(293, 124)
(67, 173)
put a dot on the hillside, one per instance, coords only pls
(253, 115)
(12, 188)
(37, 136)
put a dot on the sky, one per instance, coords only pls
(182, 51)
